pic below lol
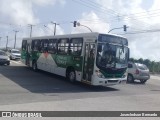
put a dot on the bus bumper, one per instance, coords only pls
(97, 81)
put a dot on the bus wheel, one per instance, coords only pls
(8, 63)
(34, 66)
(71, 75)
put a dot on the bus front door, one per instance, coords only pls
(88, 64)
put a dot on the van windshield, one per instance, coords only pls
(142, 66)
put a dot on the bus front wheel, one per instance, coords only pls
(71, 75)
(130, 78)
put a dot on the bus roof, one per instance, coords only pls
(94, 34)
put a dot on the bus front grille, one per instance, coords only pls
(112, 81)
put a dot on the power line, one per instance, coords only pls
(143, 31)
(92, 6)
(102, 8)
(149, 12)
(48, 28)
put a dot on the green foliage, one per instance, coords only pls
(153, 66)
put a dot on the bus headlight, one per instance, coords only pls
(125, 74)
(99, 74)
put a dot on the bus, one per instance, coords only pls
(93, 58)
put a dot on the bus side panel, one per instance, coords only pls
(60, 71)
(46, 62)
(65, 61)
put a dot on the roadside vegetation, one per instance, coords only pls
(153, 66)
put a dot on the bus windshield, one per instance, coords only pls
(111, 55)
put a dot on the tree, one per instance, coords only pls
(140, 60)
(152, 65)
(132, 60)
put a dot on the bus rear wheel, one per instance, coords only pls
(71, 75)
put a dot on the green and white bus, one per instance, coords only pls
(93, 58)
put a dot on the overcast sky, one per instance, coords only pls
(99, 15)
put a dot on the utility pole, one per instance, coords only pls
(7, 42)
(30, 25)
(55, 24)
(15, 38)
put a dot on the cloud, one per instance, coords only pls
(17, 14)
(138, 18)
(47, 30)
(48, 2)
(155, 17)
(14, 13)
(20, 12)
(91, 21)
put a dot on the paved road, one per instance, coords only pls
(23, 89)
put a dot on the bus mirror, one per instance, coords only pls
(99, 48)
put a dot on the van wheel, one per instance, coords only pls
(143, 81)
(34, 66)
(71, 75)
(130, 78)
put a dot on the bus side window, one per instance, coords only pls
(63, 45)
(34, 45)
(52, 46)
(39, 46)
(44, 45)
(76, 46)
